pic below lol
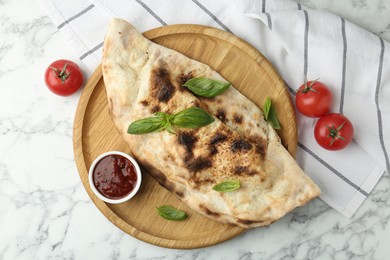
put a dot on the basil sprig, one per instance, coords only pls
(171, 213)
(206, 87)
(192, 117)
(270, 114)
(227, 186)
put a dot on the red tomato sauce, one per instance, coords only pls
(114, 176)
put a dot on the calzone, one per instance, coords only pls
(143, 78)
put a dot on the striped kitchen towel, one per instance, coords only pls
(300, 43)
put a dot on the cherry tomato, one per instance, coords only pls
(63, 77)
(313, 99)
(333, 131)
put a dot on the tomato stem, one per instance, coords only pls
(61, 73)
(334, 133)
(308, 88)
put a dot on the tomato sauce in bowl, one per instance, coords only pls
(114, 177)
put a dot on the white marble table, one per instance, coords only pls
(45, 212)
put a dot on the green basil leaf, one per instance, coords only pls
(147, 125)
(192, 117)
(267, 107)
(163, 115)
(227, 186)
(171, 213)
(270, 114)
(205, 87)
(168, 127)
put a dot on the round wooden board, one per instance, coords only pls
(94, 133)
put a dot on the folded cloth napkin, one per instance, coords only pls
(300, 43)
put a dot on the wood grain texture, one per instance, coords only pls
(95, 133)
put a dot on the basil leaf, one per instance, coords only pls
(171, 213)
(147, 125)
(270, 114)
(267, 107)
(168, 127)
(227, 186)
(205, 87)
(192, 117)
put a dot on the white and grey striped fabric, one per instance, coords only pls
(300, 43)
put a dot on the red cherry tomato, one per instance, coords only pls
(313, 99)
(333, 131)
(63, 77)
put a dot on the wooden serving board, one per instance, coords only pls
(94, 133)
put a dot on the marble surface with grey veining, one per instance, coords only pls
(45, 212)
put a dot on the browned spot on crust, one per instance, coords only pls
(208, 211)
(183, 79)
(188, 140)
(145, 103)
(244, 170)
(155, 109)
(260, 144)
(214, 100)
(213, 150)
(240, 169)
(215, 140)
(161, 85)
(218, 138)
(260, 148)
(240, 145)
(237, 118)
(180, 194)
(221, 115)
(197, 103)
(197, 164)
(248, 222)
(186, 77)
